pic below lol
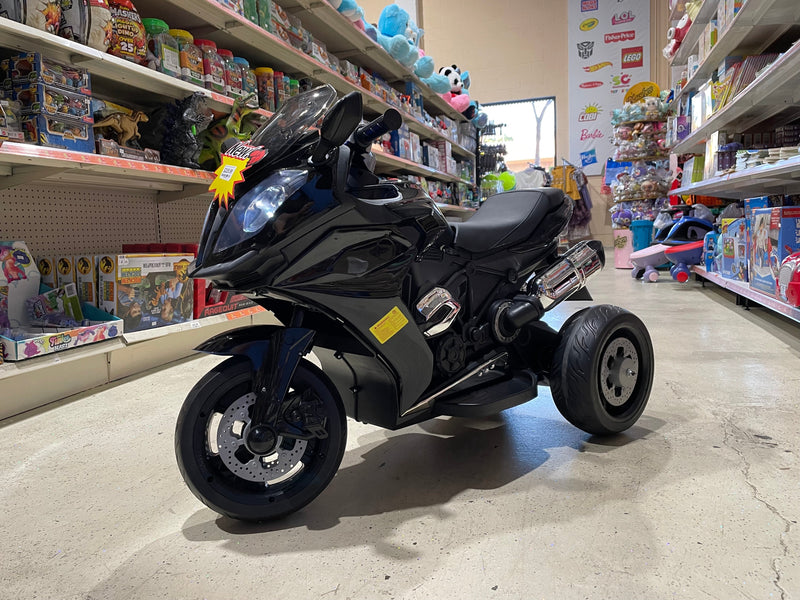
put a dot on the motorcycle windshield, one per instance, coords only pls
(297, 115)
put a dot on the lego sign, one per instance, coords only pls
(633, 58)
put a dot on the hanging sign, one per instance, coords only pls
(609, 51)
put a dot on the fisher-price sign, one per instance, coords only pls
(608, 53)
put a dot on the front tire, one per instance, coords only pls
(602, 370)
(237, 483)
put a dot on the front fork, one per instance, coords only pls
(274, 353)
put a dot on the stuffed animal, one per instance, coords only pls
(351, 10)
(456, 96)
(393, 26)
(652, 108)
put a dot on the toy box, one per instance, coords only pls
(35, 68)
(40, 341)
(58, 133)
(47, 270)
(106, 268)
(209, 301)
(733, 239)
(18, 273)
(86, 279)
(153, 290)
(711, 259)
(41, 98)
(775, 235)
(65, 270)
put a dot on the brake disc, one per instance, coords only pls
(281, 464)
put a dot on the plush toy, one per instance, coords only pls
(393, 26)
(652, 108)
(456, 96)
(351, 10)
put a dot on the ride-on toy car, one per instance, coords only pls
(411, 317)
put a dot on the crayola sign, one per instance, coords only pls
(589, 24)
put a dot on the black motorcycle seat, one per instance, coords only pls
(506, 219)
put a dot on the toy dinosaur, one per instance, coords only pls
(125, 126)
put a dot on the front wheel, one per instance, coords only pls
(217, 465)
(602, 370)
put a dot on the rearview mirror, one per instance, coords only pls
(337, 126)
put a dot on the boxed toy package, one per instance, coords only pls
(775, 235)
(35, 68)
(153, 290)
(18, 274)
(58, 133)
(65, 270)
(44, 99)
(711, 252)
(54, 307)
(209, 301)
(47, 270)
(106, 268)
(733, 239)
(86, 279)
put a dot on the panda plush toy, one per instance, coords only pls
(457, 97)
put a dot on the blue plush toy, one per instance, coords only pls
(400, 37)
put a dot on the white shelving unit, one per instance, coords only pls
(744, 290)
(769, 101)
(62, 201)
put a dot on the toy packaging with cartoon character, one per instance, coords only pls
(44, 99)
(65, 270)
(775, 235)
(733, 239)
(60, 307)
(153, 290)
(106, 269)
(18, 273)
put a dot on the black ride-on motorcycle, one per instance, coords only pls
(411, 316)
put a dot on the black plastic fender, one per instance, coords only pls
(273, 350)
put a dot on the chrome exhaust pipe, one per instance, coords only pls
(570, 274)
(558, 283)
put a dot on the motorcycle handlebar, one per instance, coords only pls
(388, 121)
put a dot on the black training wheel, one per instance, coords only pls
(221, 471)
(602, 370)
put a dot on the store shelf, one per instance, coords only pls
(159, 332)
(782, 177)
(776, 91)
(22, 164)
(743, 289)
(343, 39)
(73, 371)
(755, 27)
(139, 84)
(392, 163)
(707, 10)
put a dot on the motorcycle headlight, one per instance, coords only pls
(256, 208)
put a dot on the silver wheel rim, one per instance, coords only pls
(231, 432)
(619, 371)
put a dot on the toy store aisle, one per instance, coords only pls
(698, 500)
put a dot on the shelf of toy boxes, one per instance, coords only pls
(110, 75)
(753, 29)
(775, 92)
(233, 31)
(704, 15)
(390, 163)
(743, 289)
(146, 86)
(780, 178)
(89, 366)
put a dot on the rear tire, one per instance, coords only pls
(297, 472)
(602, 370)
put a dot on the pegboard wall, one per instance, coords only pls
(65, 218)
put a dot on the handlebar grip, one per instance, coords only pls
(388, 121)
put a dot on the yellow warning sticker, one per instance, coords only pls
(390, 324)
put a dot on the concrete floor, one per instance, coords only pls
(699, 500)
